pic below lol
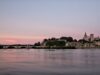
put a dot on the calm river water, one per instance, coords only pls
(49, 62)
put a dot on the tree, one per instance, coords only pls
(50, 43)
(75, 40)
(53, 38)
(56, 43)
(45, 40)
(60, 43)
(37, 44)
(82, 41)
(68, 39)
(63, 38)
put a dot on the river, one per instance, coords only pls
(49, 62)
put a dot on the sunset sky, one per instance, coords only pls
(29, 21)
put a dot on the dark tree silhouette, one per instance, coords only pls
(37, 44)
(56, 43)
(82, 41)
(74, 40)
(45, 40)
(63, 38)
(68, 39)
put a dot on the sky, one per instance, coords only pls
(30, 21)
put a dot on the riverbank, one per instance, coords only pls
(33, 47)
(42, 47)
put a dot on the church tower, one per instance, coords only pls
(85, 37)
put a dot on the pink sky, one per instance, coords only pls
(30, 21)
(20, 40)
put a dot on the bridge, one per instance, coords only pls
(16, 46)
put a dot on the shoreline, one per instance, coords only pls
(51, 48)
(27, 46)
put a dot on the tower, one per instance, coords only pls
(91, 37)
(85, 37)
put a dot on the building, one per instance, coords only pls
(88, 38)
(91, 37)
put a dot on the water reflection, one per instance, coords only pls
(49, 62)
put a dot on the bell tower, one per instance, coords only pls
(85, 37)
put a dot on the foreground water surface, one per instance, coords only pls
(49, 62)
